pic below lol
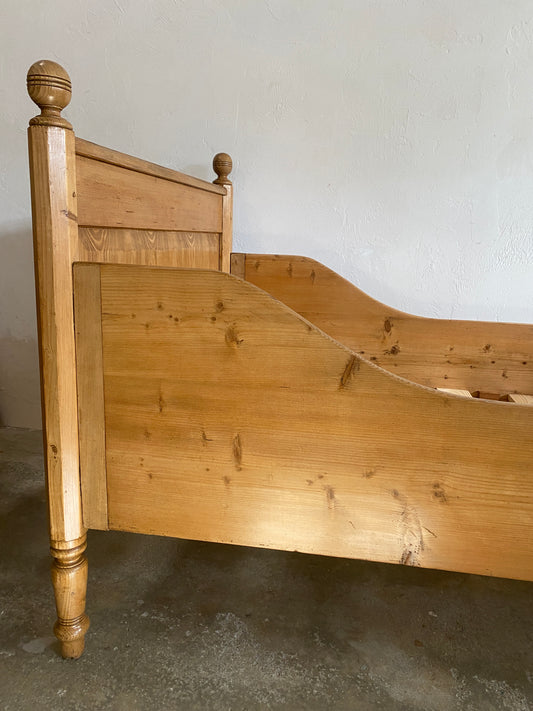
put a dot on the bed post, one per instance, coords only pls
(55, 235)
(222, 165)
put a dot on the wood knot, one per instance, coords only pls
(232, 337)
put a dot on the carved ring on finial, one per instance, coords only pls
(222, 165)
(50, 88)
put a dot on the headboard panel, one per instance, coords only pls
(134, 212)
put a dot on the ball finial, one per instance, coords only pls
(222, 166)
(50, 88)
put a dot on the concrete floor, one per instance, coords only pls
(184, 625)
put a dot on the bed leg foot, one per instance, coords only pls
(69, 578)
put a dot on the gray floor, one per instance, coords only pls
(184, 625)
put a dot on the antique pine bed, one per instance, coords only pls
(253, 399)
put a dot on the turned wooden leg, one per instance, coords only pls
(69, 578)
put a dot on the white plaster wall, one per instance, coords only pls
(392, 140)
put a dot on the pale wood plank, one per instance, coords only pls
(154, 248)
(90, 395)
(521, 399)
(112, 196)
(229, 418)
(454, 391)
(86, 149)
(469, 355)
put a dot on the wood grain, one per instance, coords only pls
(230, 418)
(113, 196)
(238, 265)
(90, 395)
(467, 355)
(55, 244)
(86, 149)
(521, 399)
(153, 248)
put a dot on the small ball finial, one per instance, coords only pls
(50, 88)
(222, 165)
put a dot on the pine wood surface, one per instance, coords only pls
(150, 247)
(90, 381)
(102, 154)
(469, 355)
(55, 247)
(230, 418)
(113, 196)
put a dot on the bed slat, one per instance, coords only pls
(521, 399)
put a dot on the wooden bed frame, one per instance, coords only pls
(275, 406)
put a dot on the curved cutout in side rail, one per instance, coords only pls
(470, 355)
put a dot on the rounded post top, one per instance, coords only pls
(222, 165)
(50, 88)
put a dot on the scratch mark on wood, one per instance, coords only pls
(313, 276)
(289, 269)
(352, 366)
(70, 215)
(226, 480)
(429, 531)
(387, 325)
(410, 531)
(162, 402)
(237, 452)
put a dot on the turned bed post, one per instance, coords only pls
(55, 234)
(222, 165)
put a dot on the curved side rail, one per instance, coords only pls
(494, 358)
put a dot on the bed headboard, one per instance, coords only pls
(124, 210)
(93, 204)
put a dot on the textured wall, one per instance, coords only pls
(392, 140)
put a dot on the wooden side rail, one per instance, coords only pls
(230, 418)
(470, 355)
